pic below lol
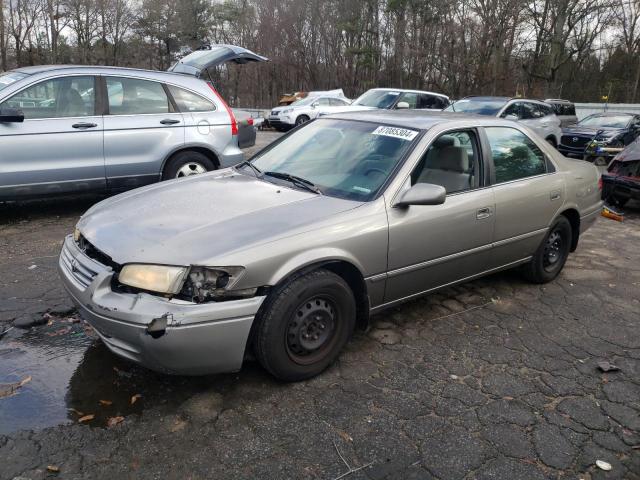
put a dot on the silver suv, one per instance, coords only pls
(68, 129)
(538, 116)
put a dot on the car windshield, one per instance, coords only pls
(605, 121)
(342, 158)
(479, 106)
(377, 98)
(7, 79)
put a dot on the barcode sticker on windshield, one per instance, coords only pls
(402, 133)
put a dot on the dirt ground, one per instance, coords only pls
(494, 379)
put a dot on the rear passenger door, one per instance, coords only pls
(141, 127)
(528, 193)
(433, 245)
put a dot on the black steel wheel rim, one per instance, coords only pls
(311, 331)
(553, 251)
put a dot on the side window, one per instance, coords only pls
(130, 96)
(451, 161)
(530, 111)
(190, 102)
(431, 102)
(410, 98)
(336, 102)
(56, 98)
(570, 109)
(323, 102)
(513, 109)
(514, 154)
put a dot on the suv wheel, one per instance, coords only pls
(552, 253)
(304, 325)
(301, 119)
(187, 163)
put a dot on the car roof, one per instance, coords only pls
(34, 70)
(391, 89)
(414, 119)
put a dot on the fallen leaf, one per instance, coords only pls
(10, 389)
(53, 468)
(86, 418)
(135, 398)
(77, 412)
(61, 331)
(105, 403)
(113, 421)
(602, 465)
(345, 436)
(607, 367)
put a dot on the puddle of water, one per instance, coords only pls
(72, 372)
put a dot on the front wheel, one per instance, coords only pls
(301, 119)
(552, 253)
(304, 325)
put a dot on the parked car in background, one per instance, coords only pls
(393, 99)
(564, 110)
(536, 115)
(343, 217)
(621, 181)
(301, 111)
(601, 136)
(75, 129)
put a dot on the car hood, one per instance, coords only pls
(591, 131)
(188, 222)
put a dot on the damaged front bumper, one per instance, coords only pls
(169, 336)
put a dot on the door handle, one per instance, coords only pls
(485, 212)
(84, 125)
(169, 121)
(554, 195)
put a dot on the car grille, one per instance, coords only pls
(274, 113)
(574, 141)
(81, 271)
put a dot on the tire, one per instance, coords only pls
(304, 325)
(301, 119)
(552, 253)
(182, 162)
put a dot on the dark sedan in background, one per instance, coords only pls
(621, 181)
(599, 137)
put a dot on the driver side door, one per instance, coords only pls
(58, 148)
(431, 246)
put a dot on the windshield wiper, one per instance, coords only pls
(247, 163)
(298, 181)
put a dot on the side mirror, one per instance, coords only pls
(511, 116)
(11, 115)
(315, 104)
(402, 106)
(422, 194)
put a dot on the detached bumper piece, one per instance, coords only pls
(170, 336)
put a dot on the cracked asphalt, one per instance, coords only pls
(493, 379)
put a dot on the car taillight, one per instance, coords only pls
(232, 117)
(600, 184)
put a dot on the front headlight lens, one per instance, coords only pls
(156, 278)
(288, 110)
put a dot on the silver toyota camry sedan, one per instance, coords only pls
(286, 254)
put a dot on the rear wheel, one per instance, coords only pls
(552, 253)
(304, 325)
(187, 163)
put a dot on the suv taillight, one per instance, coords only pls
(232, 117)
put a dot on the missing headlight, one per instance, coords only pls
(205, 284)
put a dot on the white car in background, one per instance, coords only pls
(301, 111)
(393, 99)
